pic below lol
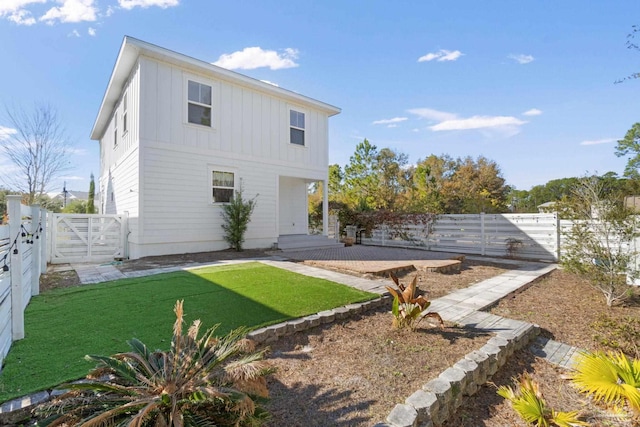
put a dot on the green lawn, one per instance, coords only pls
(64, 325)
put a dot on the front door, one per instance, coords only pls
(293, 206)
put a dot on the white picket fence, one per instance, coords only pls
(22, 261)
(527, 236)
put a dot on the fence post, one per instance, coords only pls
(17, 303)
(51, 227)
(35, 249)
(44, 241)
(558, 235)
(483, 243)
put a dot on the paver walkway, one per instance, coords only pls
(556, 352)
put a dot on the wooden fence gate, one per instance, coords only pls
(87, 238)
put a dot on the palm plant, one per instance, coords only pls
(200, 381)
(407, 309)
(528, 402)
(611, 378)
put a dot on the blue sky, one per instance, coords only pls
(529, 84)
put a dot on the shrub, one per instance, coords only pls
(618, 334)
(599, 244)
(528, 402)
(407, 309)
(236, 215)
(612, 378)
(205, 380)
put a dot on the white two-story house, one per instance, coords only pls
(178, 135)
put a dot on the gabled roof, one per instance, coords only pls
(132, 48)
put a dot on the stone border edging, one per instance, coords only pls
(429, 406)
(265, 335)
(269, 334)
(439, 398)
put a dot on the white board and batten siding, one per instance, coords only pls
(160, 170)
(249, 136)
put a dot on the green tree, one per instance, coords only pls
(599, 244)
(91, 205)
(389, 170)
(46, 202)
(630, 146)
(336, 185)
(424, 183)
(236, 216)
(360, 180)
(75, 206)
(475, 186)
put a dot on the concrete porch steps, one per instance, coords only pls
(297, 242)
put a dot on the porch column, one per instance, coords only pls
(325, 207)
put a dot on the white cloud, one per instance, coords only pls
(390, 121)
(109, 11)
(255, 57)
(130, 4)
(72, 178)
(71, 11)
(441, 56)
(74, 33)
(77, 151)
(270, 83)
(450, 121)
(6, 132)
(477, 122)
(532, 112)
(14, 11)
(393, 125)
(91, 32)
(22, 17)
(430, 114)
(521, 58)
(599, 141)
(9, 6)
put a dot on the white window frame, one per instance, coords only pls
(125, 125)
(297, 127)
(115, 130)
(213, 169)
(198, 103)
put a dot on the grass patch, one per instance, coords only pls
(64, 325)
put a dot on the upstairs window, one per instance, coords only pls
(125, 125)
(115, 130)
(199, 104)
(223, 186)
(296, 121)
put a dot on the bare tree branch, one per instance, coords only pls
(39, 149)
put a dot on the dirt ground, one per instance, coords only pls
(353, 372)
(566, 308)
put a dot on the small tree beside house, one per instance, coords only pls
(236, 215)
(600, 244)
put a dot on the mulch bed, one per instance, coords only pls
(566, 308)
(353, 373)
